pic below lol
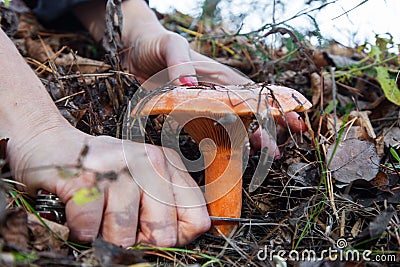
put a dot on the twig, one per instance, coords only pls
(334, 101)
(69, 96)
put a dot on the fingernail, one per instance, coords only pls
(188, 80)
(277, 154)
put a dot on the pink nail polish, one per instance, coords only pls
(188, 80)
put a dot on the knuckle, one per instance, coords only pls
(174, 37)
(154, 152)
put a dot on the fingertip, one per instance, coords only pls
(178, 59)
(192, 228)
(120, 217)
(188, 80)
(84, 220)
(294, 121)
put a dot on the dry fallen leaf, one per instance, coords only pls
(43, 238)
(3, 149)
(392, 136)
(362, 120)
(381, 181)
(354, 159)
(110, 254)
(317, 90)
(83, 65)
(38, 50)
(373, 232)
(14, 230)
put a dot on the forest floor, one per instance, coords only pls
(335, 189)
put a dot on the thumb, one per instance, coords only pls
(260, 139)
(178, 60)
(294, 121)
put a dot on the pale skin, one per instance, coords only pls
(40, 137)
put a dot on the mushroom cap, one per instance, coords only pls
(243, 100)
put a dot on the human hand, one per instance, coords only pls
(260, 139)
(147, 208)
(154, 49)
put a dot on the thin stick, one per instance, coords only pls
(69, 96)
(329, 186)
(334, 100)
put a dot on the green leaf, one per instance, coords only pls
(394, 154)
(375, 52)
(388, 85)
(382, 43)
(86, 195)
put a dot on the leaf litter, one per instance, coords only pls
(304, 204)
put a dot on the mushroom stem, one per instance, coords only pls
(222, 148)
(224, 182)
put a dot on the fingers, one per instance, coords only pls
(193, 218)
(165, 215)
(83, 220)
(157, 222)
(120, 218)
(173, 211)
(260, 139)
(294, 121)
(157, 218)
(184, 62)
(215, 72)
(177, 52)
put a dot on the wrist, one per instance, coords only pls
(28, 149)
(25, 107)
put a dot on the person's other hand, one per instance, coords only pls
(154, 49)
(260, 139)
(151, 48)
(124, 213)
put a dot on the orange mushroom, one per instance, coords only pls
(223, 115)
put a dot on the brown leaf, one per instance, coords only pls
(373, 232)
(381, 181)
(108, 253)
(3, 150)
(38, 50)
(329, 122)
(354, 159)
(317, 89)
(318, 58)
(363, 121)
(392, 136)
(357, 132)
(45, 239)
(14, 230)
(81, 64)
(341, 50)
